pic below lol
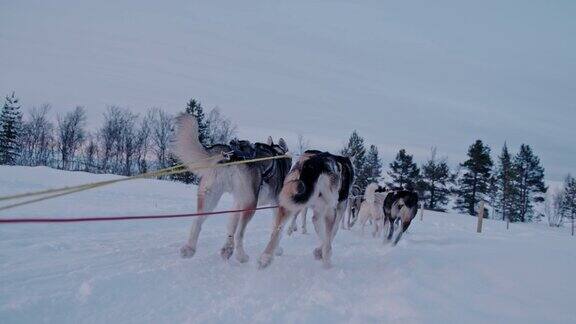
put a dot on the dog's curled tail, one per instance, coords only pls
(187, 146)
(370, 193)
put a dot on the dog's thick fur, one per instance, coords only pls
(319, 181)
(400, 205)
(304, 212)
(372, 208)
(250, 184)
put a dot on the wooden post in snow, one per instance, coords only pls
(480, 217)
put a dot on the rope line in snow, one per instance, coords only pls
(63, 191)
(120, 218)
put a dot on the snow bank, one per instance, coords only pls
(131, 272)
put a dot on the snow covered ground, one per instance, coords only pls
(130, 271)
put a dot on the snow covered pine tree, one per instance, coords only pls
(404, 173)
(529, 183)
(10, 129)
(473, 184)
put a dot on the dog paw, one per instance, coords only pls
(265, 261)
(242, 257)
(187, 251)
(318, 253)
(291, 230)
(226, 252)
(279, 251)
(304, 231)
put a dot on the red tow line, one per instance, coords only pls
(119, 218)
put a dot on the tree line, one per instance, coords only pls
(127, 143)
(511, 186)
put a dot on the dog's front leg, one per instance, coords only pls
(228, 248)
(391, 231)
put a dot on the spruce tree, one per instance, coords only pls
(507, 192)
(356, 151)
(474, 183)
(373, 167)
(568, 205)
(492, 195)
(404, 173)
(10, 130)
(529, 182)
(436, 180)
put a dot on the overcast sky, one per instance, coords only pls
(411, 74)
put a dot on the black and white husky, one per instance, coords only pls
(250, 184)
(400, 205)
(319, 181)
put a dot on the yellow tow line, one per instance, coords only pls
(63, 191)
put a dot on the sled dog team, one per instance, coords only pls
(318, 181)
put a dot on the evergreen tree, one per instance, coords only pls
(568, 204)
(10, 130)
(474, 183)
(492, 195)
(436, 180)
(404, 173)
(373, 167)
(507, 192)
(356, 151)
(529, 182)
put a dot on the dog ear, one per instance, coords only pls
(283, 144)
(270, 141)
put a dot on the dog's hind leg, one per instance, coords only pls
(293, 227)
(340, 214)
(376, 228)
(343, 224)
(280, 218)
(245, 217)
(331, 222)
(318, 221)
(363, 216)
(207, 200)
(304, 212)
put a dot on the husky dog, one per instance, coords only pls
(320, 181)
(250, 184)
(354, 202)
(372, 208)
(400, 205)
(293, 227)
